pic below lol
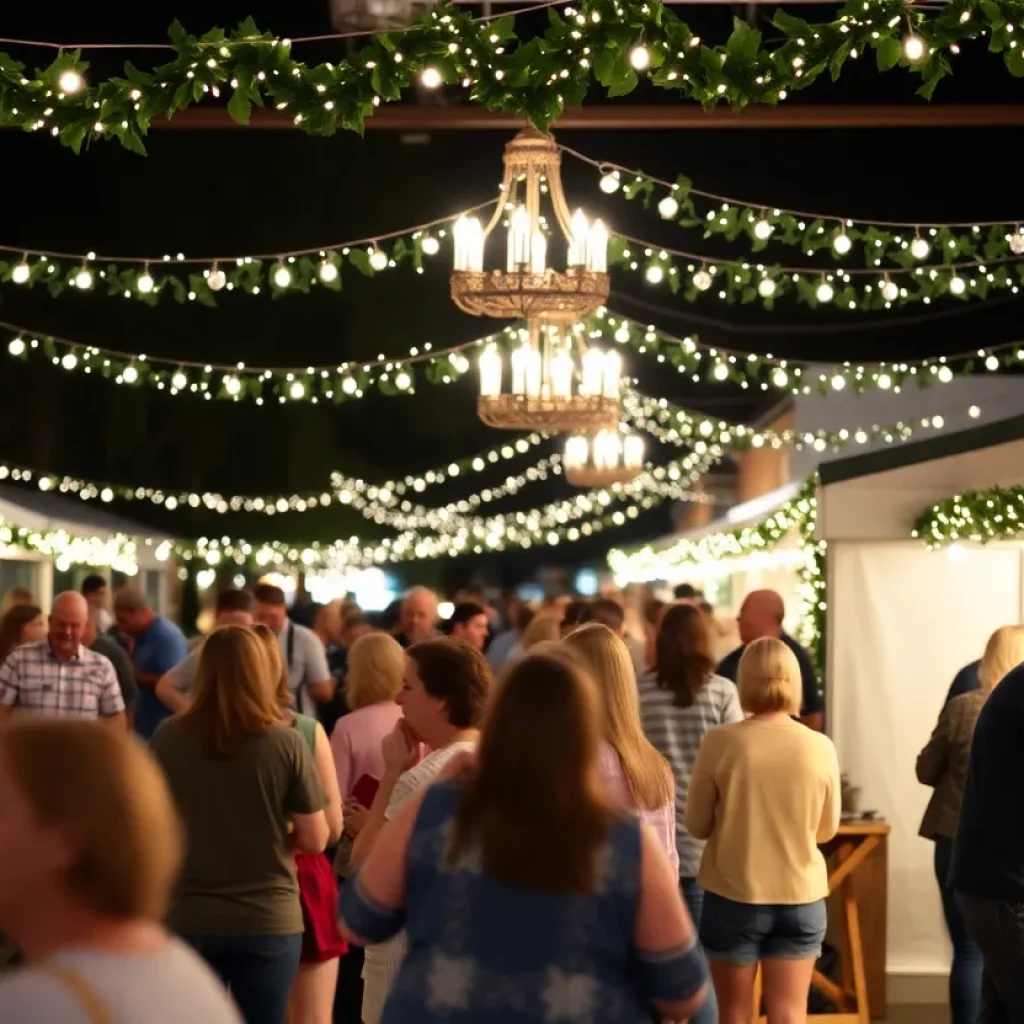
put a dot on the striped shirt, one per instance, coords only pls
(32, 680)
(677, 734)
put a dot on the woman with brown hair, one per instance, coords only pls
(526, 895)
(638, 777)
(23, 624)
(681, 700)
(442, 698)
(90, 847)
(312, 996)
(247, 788)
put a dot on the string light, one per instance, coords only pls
(328, 272)
(20, 274)
(914, 48)
(763, 230)
(216, 279)
(919, 248)
(824, 292)
(83, 279)
(431, 78)
(378, 259)
(70, 82)
(145, 283)
(640, 58)
(668, 207)
(282, 276)
(702, 280)
(610, 182)
(842, 243)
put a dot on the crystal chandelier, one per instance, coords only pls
(528, 286)
(546, 392)
(602, 459)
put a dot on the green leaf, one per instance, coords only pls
(239, 106)
(360, 259)
(791, 25)
(1015, 62)
(838, 60)
(74, 135)
(888, 53)
(743, 43)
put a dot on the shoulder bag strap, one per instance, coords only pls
(84, 994)
(290, 644)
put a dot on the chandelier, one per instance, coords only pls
(528, 286)
(602, 459)
(546, 393)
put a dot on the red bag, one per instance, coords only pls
(318, 896)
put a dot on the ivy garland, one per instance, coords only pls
(117, 551)
(980, 516)
(400, 375)
(602, 40)
(797, 515)
(844, 239)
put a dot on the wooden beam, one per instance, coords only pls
(624, 117)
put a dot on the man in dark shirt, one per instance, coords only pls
(761, 615)
(987, 870)
(103, 643)
(964, 681)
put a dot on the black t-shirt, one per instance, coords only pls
(988, 853)
(812, 701)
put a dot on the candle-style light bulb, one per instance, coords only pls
(519, 360)
(538, 253)
(560, 373)
(533, 373)
(519, 235)
(597, 248)
(579, 229)
(576, 452)
(612, 372)
(633, 451)
(463, 232)
(490, 372)
(593, 372)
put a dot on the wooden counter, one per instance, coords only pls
(857, 915)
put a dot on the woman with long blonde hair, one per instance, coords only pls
(312, 997)
(526, 893)
(942, 764)
(638, 777)
(247, 788)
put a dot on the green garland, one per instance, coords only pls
(117, 551)
(741, 281)
(602, 40)
(764, 226)
(980, 516)
(400, 375)
(287, 275)
(798, 514)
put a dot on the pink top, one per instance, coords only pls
(663, 820)
(356, 741)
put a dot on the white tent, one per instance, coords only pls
(78, 535)
(902, 620)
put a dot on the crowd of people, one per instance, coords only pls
(561, 812)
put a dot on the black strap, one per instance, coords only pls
(290, 644)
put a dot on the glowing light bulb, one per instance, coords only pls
(974, 412)
(430, 78)
(825, 292)
(780, 378)
(919, 248)
(130, 375)
(766, 288)
(378, 259)
(16, 347)
(838, 382)
(430, 245)
(296, 390)
(403, 381)
(145, 283)
(842, 243)
(992, 364)
(668, 207)
(83, 279)
(914, 48)
(654, 274)
(945, 374)
(328, 272)
(640, 58)
(721, 371)
(890, 290)
(70, 82)
(179, 381)
(232, 385)
(957, 285)
(702, 280)
(217, 279)
(884, 381)
(106, 494)
(282, 276)
(70, 361)
(610, 182)
(349, 386)
(20, 274)
(763, 229)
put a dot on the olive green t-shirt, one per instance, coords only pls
(239, 874)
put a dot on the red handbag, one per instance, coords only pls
(318, 896)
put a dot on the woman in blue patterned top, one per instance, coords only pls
(526, 896)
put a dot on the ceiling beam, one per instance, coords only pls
(625, 117)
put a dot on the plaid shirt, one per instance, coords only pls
(33, 680)
(677, 733)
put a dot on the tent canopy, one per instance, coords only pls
(877, 496)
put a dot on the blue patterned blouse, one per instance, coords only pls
(483, 951)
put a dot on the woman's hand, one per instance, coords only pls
(399, 750)
(355, 818)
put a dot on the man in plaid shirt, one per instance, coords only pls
(60, 676)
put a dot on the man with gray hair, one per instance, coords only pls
(417, 618)
(59, 675)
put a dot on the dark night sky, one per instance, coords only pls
(248, 190)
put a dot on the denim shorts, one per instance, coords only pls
(744, 933)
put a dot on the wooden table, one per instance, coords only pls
(857, 884)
